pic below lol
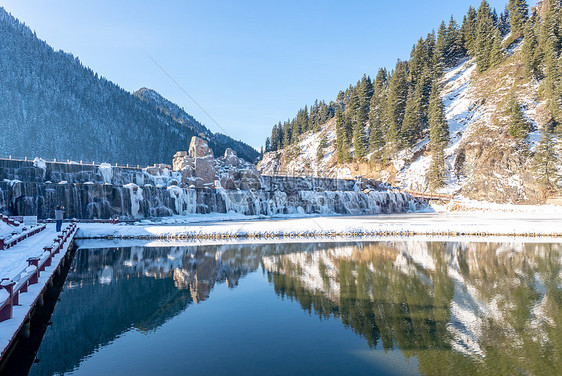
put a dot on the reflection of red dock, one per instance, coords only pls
(429, 196)
(26, 271)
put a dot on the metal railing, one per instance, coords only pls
(430, 196)
(81, 162)
(308, 174)
(112, 221)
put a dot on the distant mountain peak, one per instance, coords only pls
(169, 108)
(54, 107)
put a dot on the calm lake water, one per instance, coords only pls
(385, 308)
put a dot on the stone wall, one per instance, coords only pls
(232, 185)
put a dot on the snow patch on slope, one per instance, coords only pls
(460, 112)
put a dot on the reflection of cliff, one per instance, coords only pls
(111, 291)
(97, 313)
(496, 306)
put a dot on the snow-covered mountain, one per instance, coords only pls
(54, 107)
(482, 161)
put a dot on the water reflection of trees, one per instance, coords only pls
(476, 308)
(459, 308)
(110, 291)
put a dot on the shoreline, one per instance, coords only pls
(441, 224)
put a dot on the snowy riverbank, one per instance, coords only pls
(443, 224)
(483, 207)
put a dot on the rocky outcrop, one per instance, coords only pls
(199, 169)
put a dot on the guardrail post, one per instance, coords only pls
(6, 311)
(34, 261)
(48, 261)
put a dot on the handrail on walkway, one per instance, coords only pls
(30, 275)
(430, 196)
(81, 162)
(5, 244)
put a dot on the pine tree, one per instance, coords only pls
(359, 141)
(484, 36)
(518, 14)
(496, 53)
(438, 64)
(550, 85)
(396, 104)
(365, 93)
(545, 161)
(377, 111)
(550, 28)
(296, 130)
(342, 144)
(348, 127)
(411, 120)
(287, 132)
(441, 44)
(353, 104)
(314, 117)
(531, 53)
(518, 126)
(454, 47)
(430, 44)
(436, 172)
(438, 138)
(423, 92)
(323, 144)
(438, 126)
(274, 142)
(468, 30)
(418, 60)
(305, 121)
(376, 137)
(504, 22)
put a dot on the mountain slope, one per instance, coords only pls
(482, 161)
(52, 106)
(490, 128)
(217, 141)
(173, 110)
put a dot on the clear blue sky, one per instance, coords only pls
(249, 64)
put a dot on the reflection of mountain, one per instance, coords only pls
(459, 308)
(498, 307)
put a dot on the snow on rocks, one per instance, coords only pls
(106, 172)
(5, 229)
(39, 163)
(136, 198)
(302, 158)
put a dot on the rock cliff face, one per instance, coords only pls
(197, 183)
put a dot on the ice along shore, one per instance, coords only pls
(529, 224)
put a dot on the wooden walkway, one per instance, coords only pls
(25, 272)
